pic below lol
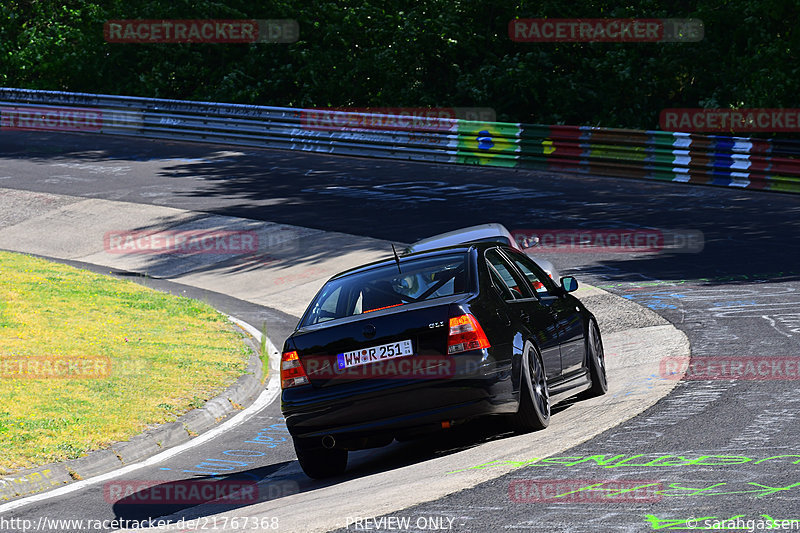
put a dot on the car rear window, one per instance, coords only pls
(385, 287)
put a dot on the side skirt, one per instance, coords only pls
(566, 388)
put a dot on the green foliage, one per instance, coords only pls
(424, 53)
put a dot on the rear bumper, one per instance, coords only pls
(387, 408)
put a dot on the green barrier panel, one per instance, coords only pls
(752, 163)
(488, 143)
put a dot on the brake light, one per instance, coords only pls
(292, 371)
(466, 334)
(382, 308)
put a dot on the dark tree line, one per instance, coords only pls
(425, 53)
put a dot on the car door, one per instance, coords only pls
(522, 301)
(563, 308)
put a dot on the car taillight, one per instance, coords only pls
(292, 371)
(466, 334)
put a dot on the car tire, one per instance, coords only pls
(318, 462)
(533, 412)
(596, 361)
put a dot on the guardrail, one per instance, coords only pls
(766, 164)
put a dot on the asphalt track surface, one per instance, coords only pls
(737, 298)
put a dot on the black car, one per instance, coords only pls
(422, 342)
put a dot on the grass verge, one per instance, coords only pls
(87, 360)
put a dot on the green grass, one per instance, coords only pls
(167, 355)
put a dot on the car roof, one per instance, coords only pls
(445, 250)
(459, 236)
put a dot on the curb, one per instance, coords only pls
(240, 394)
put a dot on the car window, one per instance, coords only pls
(516, 286)
(384, 287)
(328, 304)
(500, 285)
(539, 281)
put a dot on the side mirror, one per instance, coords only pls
(569, 284)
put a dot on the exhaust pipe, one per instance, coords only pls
(328, 442)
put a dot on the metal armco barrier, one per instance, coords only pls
(766, 164)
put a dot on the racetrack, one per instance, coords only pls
(738, 297)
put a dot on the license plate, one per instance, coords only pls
(375, 353)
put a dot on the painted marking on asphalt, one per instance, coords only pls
(212, 467)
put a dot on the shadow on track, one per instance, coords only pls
(746, 231)
(203, 496)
